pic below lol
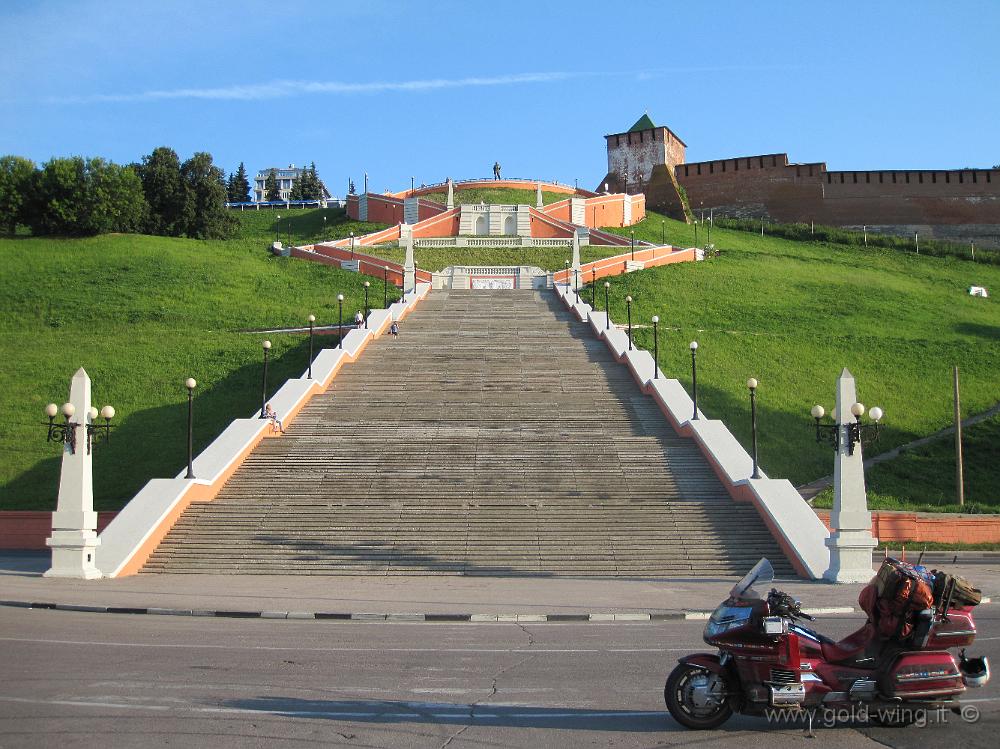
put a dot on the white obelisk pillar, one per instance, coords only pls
(451, 194)
(74, 538)
(409, 266)
(538, 197)
(851, 542)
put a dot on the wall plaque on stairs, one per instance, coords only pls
(492, 282)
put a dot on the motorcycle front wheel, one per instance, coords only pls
(689, 701)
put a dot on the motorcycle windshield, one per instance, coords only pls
(761, 574)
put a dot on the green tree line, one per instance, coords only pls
(76, 196)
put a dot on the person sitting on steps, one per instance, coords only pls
(270, 413)
(359, 319)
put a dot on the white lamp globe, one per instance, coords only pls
(340, 297)
(693, 345)
(876, 413)
(92, 412)
(607, 284)
(818, 411)
(51, 410)
(108, 412)
(629, 299)
(190, 383)
(267, 345)
(68, 410)
(656, 319)
(752, 383)
(858, 409)
(312, 318)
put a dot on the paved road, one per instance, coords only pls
(76, 679)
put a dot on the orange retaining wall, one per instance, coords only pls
(28, 529)
(616, 265)
(919, 526)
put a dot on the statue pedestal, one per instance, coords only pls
(850, 557)
(74, 554)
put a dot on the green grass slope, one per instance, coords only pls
(501, 195)
(546, 258)
(794, 314)
(141, 314)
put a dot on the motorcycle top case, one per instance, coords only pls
(958, 630)
(923, 674)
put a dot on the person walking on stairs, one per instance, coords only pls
(394, 330)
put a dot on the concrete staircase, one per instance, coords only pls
(496, 436)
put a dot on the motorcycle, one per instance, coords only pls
(769, 661)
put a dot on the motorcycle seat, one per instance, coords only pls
(851, 648)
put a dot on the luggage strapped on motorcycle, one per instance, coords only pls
(901, 590)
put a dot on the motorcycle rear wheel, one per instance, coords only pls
(678, 695)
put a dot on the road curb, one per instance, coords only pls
(362, 616)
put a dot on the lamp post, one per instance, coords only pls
(367, 284)
(628, 306)
(694, 377)
(190, 383)
(566, 265)
(277, 227)
(632, 233)
(385, 287)
(663, 230)
(625, 175)
(411, 184)
(352, 243)
(593, 286)
(752, 384)
(312, 323)
(340, 321)
(696, 232)
(853, 434)
(576, 275)
(607, 310)
(66, 432)
(656, 349)
(263, 382)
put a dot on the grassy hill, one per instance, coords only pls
(793, 314)
(546, 258)
(141, 314)
(504, 195)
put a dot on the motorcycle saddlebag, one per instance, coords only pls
(923, 674)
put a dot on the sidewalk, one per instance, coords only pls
(425, 598)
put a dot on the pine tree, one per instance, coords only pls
(315, 185)
(240, 191)
(271, 191)
(296, 193)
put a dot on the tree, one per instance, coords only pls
(296, 193)
(166, 192)
(15, 181)
(238, 186)
(315, 191)
(117, 200)
(206, 189)
(77, 197)
(271, 191)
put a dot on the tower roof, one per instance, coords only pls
(643, 123)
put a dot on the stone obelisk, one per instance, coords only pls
(74, 538)
(451, 194)
(409, 265)
(851, 541)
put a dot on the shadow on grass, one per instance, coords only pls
(990, 332)
(153, 443)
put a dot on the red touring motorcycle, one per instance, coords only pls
(897, 664)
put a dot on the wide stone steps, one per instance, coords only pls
(496, 436)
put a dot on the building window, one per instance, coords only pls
(880, 178)
(947, 177)
(907, 178)
(711, 167)
(855, 175)
(699, 170)
(920, 178)
(841, 178)
(774, 161)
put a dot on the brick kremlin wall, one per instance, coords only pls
(961, 204)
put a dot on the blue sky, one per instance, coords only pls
(438, 89)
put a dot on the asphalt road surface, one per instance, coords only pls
(74, 679)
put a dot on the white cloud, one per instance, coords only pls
(283, 89)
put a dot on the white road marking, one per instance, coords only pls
(193, 646)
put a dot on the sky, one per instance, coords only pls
(436, 89)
